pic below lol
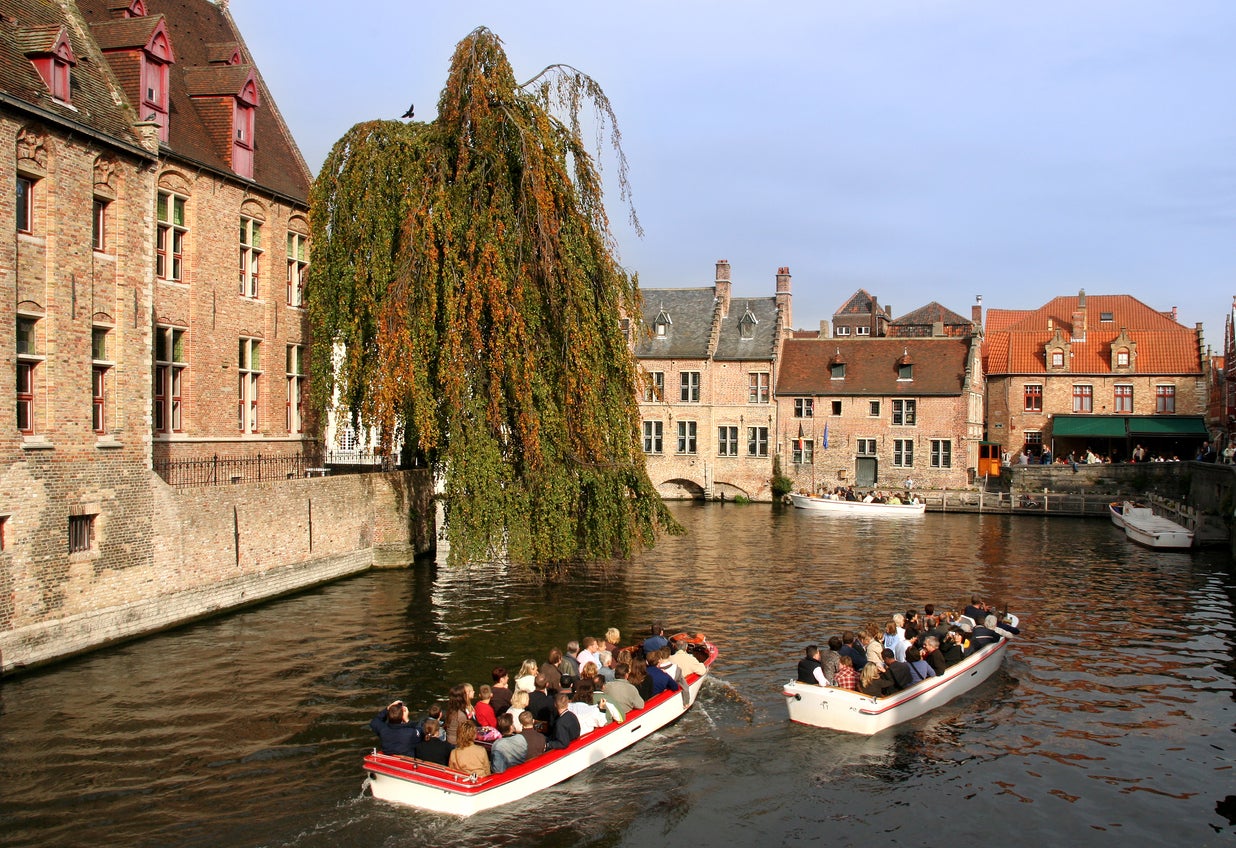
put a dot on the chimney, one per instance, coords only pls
(824, 331)
(976, 311)
(783, 296)
(1079, 317)
(722, 286)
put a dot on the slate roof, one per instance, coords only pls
(1015, 338)
(93, 89)
(199, 30)
(871, 367)
(689, 332)
(763, 342)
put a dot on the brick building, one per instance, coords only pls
(872, 412)
(1101, 372)
(145, 157)
(709, 362)
(861, 316)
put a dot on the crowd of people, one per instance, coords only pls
(881, 660)
(546, 706)
(847, 493)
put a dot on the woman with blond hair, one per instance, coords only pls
(468, 756)
(525, 680)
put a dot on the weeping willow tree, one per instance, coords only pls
(466, 301)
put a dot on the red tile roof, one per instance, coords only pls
(871, 366)
(1014, 339)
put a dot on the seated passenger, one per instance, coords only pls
(458, 709)
(552, 669)
(810, 669)
(483, 712)
(565, 725)
(519, 703)
(541, 700)
(501, 700)
(984, 634)
(874, 649)
(656, 640)
(846, 678)
(952, 648)
(932, 656)
(536, 739)
(526, 678)
(898, 671)
(591, 716)
(511, 749)
(639, 677)
(468, 756)
(685, 660)
(920, 670)
(612, 637)
(621, 693)
(853, 647)
(433, 748)
(833, 658)
(434, 712)
(588, 654)
(606, 664)
(875, 682)
(396, 734)
(661, 681)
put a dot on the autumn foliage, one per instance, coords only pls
(467, 303)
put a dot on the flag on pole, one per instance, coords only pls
(824, 438)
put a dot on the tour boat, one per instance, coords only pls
(1154, 531)
(842, 507)
(428, 786)
(854, 712)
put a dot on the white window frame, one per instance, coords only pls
(249, 367)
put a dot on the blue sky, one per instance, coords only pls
(920, 150)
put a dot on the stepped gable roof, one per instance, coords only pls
(1015, 339)
(196, 29)
(34, 25)
(763, 342)
(860, 303)
(871, 367)
(687, 336)
(930, 314)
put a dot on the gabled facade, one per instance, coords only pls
(861, 317)
(708, 364)
(872, 413)
(1102, 373)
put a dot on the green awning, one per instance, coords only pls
(1110, 426)
(1168, 425)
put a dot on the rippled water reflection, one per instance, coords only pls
(1112, 719)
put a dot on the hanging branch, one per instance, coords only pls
(466, 300)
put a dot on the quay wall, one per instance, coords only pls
(219, 548)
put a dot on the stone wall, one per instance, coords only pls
(219, 548)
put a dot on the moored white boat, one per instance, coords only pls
(842, 507)
(854, 712)
(1154, 531)
(432, 787)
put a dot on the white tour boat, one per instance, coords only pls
(429, 786)
(1154, 531)
(843, 507)
(854, 712)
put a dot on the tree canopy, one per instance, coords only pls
(466, 301)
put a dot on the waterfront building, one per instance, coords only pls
(1100, 373)
(708, 364)
(874, 412)
(153, 282)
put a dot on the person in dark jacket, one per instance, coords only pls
(810, 669)
(566, 725)
(434, 749)
(396, 733)
(899, 671)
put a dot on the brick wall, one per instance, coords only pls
(200, 551)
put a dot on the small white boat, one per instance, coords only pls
(854, 712)
(840, 507)
(1154, 531)
(428, 786)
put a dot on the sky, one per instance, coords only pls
(923, 150)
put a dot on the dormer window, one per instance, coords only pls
(746, 325)
(1106, 317)
(49, 51)
(242, 128)
(1057, 359)
(127, 8)
(1122, 358)
(662, 324)
(157, 58)
(836, 366)
(905, 366)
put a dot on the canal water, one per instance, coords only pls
(1111, 722)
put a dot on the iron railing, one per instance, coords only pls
(226, 470)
